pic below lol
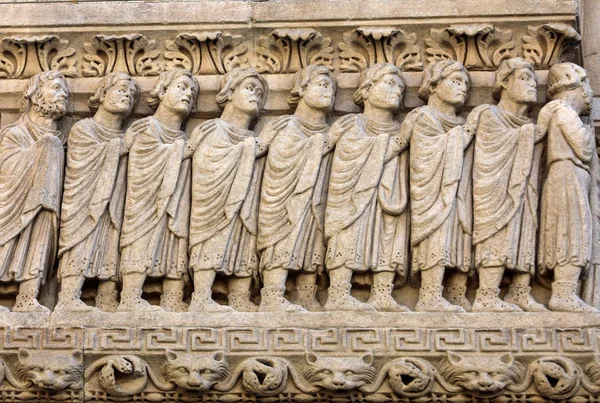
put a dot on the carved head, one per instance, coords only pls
(315, 86)
(245, 89)
(51, 370)
(381, 86)
(339, 373)
(569, 82)
(485, 375)
(47, 93)
(515, 79)
(117, 93)
(177, 89)
(195, 372)
(446, 81)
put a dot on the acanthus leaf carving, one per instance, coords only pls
(23, 57)
(477, 46)
(289, 50)
(548, 44)
(133, 54)
(364, 47)
(211, 52)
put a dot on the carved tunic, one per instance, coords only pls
(366, 221)
(155, 226)
(570, 197)
(292, 207)
(505, 189)
(93, 200)
(225, 195)
(31, 169)
(440, 190)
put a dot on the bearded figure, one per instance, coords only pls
(31, 170)
(154, 238)
(226, 173)
(94, 196)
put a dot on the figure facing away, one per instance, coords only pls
(366, 220)
(225, 194)
(570, 212)
(505, 189)
(440, 187)
(94, 196)
(294, 191)
(154, 238)
(31, 172)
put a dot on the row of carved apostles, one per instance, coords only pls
(370, 198)
(478, 375)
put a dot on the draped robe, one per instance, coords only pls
(294, 188)
(155, 230)
(93, 201)
(31, 169)
(225, 196)
(505, 189)
(366, 218)
(440, 191)
(570, 211)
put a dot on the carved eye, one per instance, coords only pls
(182, 370)
(60, 372)
(349, 373)
(207, 372)
(327, 372)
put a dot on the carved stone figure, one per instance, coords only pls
(51, 370)
(505, 189)
(294, 191)
(570, 210)
(339, 373)
(196, 372)
(484, 375)
(31, 170)
(154, 238)
(440, 187)
(225, 194)
(366, 220)
(94, 196)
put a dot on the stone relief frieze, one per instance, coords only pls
(23, 57)
(366, 46)
(477, 46)
(289, 50)
(132, 54)
(212, 52)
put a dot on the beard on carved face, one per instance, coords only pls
(54, 109)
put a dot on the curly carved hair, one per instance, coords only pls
(303, 77)
(231, 80)
(435, 73)
(165, 79)
(370, 76)
(564, 77)
(506, 69)
(33, 93)
(107, 83)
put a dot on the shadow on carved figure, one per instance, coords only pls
(194, 371)
(154, 238)
(94, 196)
(51, 370)
(339, 374)
(226, 172)
(294, 190)
(440, 187)
(366, 219)
(570, 207)
(507, 155)
(31, 170)
(124, 375)
(484, 375)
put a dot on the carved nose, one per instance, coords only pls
(485, 380)
(194, 379)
